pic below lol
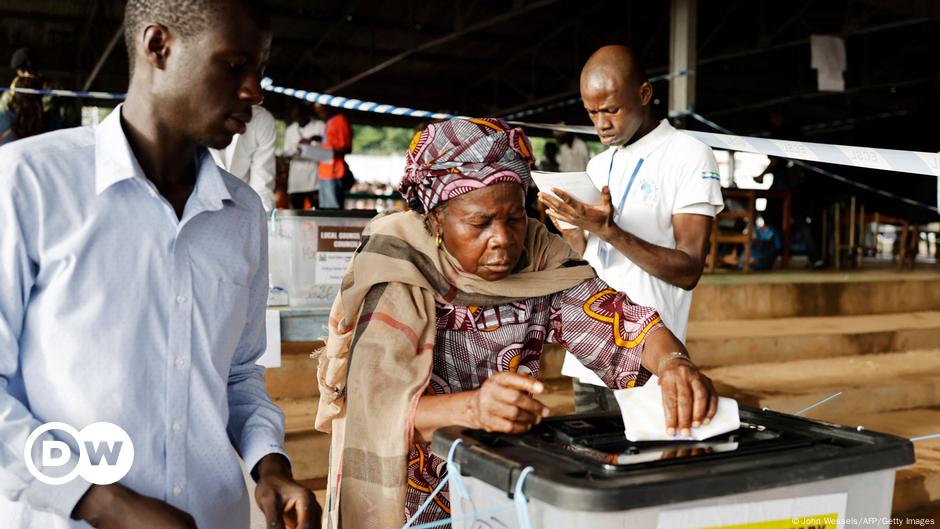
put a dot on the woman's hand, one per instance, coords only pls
(504, 403)
(689, 398)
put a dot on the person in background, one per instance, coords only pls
(550, 162)
(250, 155)
(58, 112)
(22, 63)
(765, 247)
(135, 276)
(660, 193)
(302, 173)
(338, 137)
(533, 207)
(805, 216)
(24, 115)
(573, 153)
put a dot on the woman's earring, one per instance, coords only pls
(439, 240)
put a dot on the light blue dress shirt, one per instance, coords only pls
(113, 309)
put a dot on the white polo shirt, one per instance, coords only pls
(671, 173)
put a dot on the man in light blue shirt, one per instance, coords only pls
(134, 277)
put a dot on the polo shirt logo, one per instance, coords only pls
(647, 191)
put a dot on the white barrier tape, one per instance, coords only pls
(367, 106)
(67, 93)
(884, 159)
(926, 163)
(858, 158)
(351, 104)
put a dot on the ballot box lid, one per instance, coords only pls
(325, 213)
(584, 462)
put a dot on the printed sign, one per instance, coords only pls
(338, 238)
(335, 248)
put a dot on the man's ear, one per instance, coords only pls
(155, 45)
(646, 93)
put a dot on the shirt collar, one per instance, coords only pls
(644, 146)
(114, 159)
(211, 188)
(115, 162)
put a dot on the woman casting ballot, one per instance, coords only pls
(441, 321)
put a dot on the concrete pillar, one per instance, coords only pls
(682, 56)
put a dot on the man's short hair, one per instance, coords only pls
(639, 70)
(21, 59)
(184, 17)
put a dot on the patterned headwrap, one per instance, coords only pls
(460, 155)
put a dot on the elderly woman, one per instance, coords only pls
(442, 317)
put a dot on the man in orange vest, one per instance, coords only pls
(332, 174)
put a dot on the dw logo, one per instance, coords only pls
(106, 454)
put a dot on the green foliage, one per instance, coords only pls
(381, 140)
(538, 147)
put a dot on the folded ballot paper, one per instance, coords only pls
(576, 184)
(316, 153)
(645, 420)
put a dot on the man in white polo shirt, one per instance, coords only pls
(660, 193)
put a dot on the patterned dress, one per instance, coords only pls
(599, 325)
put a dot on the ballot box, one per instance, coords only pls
(775, 472)
(310, 250)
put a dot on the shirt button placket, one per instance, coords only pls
(178, 375)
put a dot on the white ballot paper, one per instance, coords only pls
(578, 185)
(316, 153)
(645, 420)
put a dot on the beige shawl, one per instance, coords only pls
(378, 356)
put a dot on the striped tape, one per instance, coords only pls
(117, 96)
(367, 106)
(351, 104)
(925, 163)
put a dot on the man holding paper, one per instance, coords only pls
(648, 234)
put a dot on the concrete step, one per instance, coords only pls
(917, 487)
(753, 341)
(870, 383)
(785, 294)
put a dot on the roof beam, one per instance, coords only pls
(442, 40)
(798, 42)
(817, 94)
(497, 70)
(104, 56)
